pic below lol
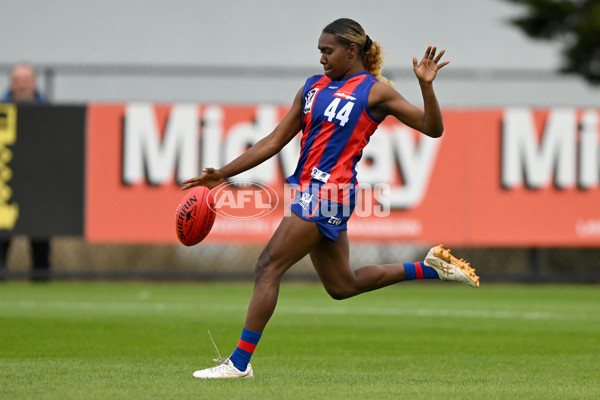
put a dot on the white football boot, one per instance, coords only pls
(449, 268)
(224, 370)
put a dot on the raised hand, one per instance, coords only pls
(211, 178)
(427, 69)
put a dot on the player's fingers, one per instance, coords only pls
(190, 183)
(427, 52)
(190, 180)
(443, 64)
(432, 52)
(439, 56)
(415, 62)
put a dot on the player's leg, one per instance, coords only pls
(331, 261)
(293, 239)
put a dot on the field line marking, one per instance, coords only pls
(290, 309)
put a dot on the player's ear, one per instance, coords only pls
(352, 50)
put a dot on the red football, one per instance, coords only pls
(195, 216)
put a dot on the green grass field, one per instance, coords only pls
(412, 341)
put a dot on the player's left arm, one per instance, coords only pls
(384, 101)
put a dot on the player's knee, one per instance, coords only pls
(340, 293)
(266, 268)
(261, 267)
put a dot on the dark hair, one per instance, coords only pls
(349, 31)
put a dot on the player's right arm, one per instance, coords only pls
(266, 148)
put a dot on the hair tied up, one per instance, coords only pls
(368, 44)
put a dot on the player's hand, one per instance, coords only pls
(211, 178)
(427, 69)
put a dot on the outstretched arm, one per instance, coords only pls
(384, 101)
(266, 148)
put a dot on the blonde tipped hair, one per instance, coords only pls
(349, 31)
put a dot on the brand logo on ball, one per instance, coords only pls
(185, 213)
(244, 200)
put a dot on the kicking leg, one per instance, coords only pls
(331, 261)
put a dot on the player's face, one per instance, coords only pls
(334, 56)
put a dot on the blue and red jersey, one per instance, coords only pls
(336, 126)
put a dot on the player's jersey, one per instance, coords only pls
(336, 126)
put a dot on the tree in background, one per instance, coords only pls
(574, 22)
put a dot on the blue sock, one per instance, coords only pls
(245, 348)
(419, 270)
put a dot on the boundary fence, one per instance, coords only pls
(457, 87)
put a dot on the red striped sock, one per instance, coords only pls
(243, 352)
(419, 270)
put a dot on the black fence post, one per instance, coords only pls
(48, 73)
(534, 264)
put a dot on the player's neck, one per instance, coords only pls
(357, 69)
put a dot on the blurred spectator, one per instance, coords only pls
(22, 86)
(23, 90)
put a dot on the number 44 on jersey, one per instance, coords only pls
(343, 115)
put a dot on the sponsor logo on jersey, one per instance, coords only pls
(320, 175)
(334, 221)
(308, 100)
(344, 95)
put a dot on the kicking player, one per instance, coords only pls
(337, 113)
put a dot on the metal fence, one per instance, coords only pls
(456, 87)
(73, 258)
